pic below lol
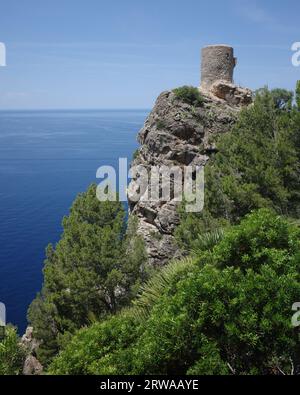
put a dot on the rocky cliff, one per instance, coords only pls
(177, 133)
(31, 365)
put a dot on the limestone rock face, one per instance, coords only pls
(31, 365)
(29, 341)
(231, 93)
(176, 134)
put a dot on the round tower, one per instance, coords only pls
(218, 63)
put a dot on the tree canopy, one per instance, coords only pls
(92, 271)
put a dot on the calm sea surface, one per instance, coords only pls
(46, 158)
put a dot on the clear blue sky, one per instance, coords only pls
(123, 53)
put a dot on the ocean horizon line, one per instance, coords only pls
(71, 109)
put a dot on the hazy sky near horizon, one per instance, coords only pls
(123, 53)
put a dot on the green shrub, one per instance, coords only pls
(98, 347)
(12, 354)
(160, 124)
(189, 95)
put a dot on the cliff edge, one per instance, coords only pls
(180, 133)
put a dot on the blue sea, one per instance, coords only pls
(46, 158)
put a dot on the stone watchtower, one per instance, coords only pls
(218, 63)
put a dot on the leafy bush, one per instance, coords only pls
(226, 312)
(102, 341)
(12, 354)
(189, 95)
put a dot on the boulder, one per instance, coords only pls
(29, 342)
(231, 93)
(32, 366)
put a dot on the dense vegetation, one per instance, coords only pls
(94, 270)
(224, 309)
(12, 355)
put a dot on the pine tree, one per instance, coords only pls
(91, 272)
